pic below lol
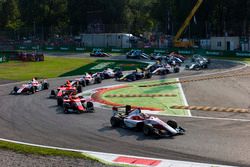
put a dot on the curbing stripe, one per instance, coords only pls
(142, 95)
(109, 158)
(196, 80)
(216, 109)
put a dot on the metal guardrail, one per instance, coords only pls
(184, 51)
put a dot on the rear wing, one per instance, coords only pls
(121, 109)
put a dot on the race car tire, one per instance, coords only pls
(197, 68)
(147, 129)
(90, 106)
(205, 66)
(172, 123)
(32, 89)
(83, 83)
(176, 69)
(52, 93)
(139, 126)
(79, 89)
(65, 110)
(45, 86)
(15, 89)
(98, 80)
(59, 101)
(148, 75)
(115, 121)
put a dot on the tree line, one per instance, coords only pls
(214, 17)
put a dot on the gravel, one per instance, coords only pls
(12, 159)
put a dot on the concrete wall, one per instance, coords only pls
(225, 43)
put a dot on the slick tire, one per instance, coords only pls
(98, 80)
(65, 110)
(147, 130)
(115, 122)
(46, 86)
(60, 102)
(90, 106)
(52, 93)
(176, 70)
(172, 123)
(79, 89)
(32, 89)
(83, 83)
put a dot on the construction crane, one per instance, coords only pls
(177, 42)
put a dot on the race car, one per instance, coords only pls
(197, 57)
(164, 69)
(111, 73)
(175, 54)
(173, 61)
(66, 89)
(157, 56)
(137, 54)
(198, 64)
(99, 53)
(31, 87)
(150, 125)
(136, 75)
(76, 104)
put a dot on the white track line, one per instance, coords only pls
(109, 158)
(201, 117)
(220, 72)
(183, 96)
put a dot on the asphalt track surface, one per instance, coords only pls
(37, 119)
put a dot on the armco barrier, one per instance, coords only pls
(184, 51)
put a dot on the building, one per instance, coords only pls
(107, 40)
(225, 43)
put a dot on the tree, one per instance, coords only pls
(10, 15)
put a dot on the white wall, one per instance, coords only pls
(220, 43)
(119, 40)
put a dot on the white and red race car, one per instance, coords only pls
(30, 87)
(150, 125)
(76, 104)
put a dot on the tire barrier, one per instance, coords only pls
(142, 95)
(198, 79)
(207, 108)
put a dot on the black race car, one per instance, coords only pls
(136, 75)
(99, 53)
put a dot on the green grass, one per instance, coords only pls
(51, 67)
(100, 65)
(26, 149)
(156, 102)
(58, 67)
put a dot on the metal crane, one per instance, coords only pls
(176, 41)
